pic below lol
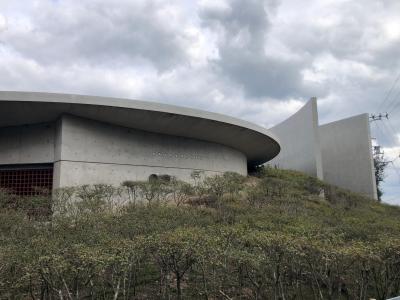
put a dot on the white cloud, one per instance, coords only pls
(3, 23)
(392, 29)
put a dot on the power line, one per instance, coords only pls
(391, 133)
(378, 117)
(396, 104)
(389, 93)
(383, 134)
(392, 128)
(391, 136)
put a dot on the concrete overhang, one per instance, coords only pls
(257, 143)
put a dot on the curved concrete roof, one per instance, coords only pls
(257, 143)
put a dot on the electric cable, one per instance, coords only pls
(396, 104)
(389, 93)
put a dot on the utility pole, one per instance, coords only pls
(377, 151)
(379, 156)
(378, 117)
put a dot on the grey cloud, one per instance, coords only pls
(260, 75)
(101, 32)
(245, 62)
(354, 34)
(387, 58)
(242, 15)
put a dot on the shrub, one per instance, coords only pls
(271, 237)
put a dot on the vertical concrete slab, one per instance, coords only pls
(347, 155)
(299, 140)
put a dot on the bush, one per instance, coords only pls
(270, 237)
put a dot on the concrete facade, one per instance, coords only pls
(105, 140)
(28, 144)
(347, 156)
(299, 139)
(96, 152)
(257, 143)
(92, 140)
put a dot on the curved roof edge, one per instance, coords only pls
(239, 134)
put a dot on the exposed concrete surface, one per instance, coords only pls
(78, 173)
(338, 152)
(107, 140)
(347, 155)
(111, 140)
(299, 139)
(29, 144)
(257, 143)
(94, 152)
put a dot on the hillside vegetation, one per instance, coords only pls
(270, 236)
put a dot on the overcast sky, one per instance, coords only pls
(258, 60)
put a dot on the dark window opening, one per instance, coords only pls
(27, 180)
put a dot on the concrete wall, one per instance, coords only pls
(28, 144)
(94, 152)
(338, 152)
(86, 151)
(255, 142)
(299, 140)
(79, 173)
(347, 155)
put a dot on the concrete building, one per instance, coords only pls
(55, 140)
(339, 153)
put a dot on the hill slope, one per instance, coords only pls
(267, 237)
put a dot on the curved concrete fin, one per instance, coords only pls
(347, 155)
(299, 140)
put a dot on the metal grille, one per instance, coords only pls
(27, 181)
